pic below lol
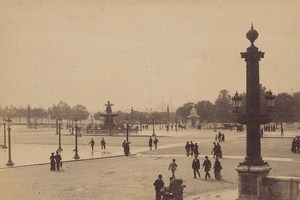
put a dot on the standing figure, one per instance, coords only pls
(206, 165)
(214, 150)
(126, 148)
(92, 143)
(196, 166)
(58, 160)
(192, 146)
(123, 145)
(155, 142)
(52, 162)
(217, 169)
(173, 167)
(196, 149)
(294, 145)
(150, 142)
(282, 131)
(103, 143)
(187, 148)
(158, 184)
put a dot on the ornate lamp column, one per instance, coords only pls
(253, 169)
(168, 116)
(4, 134)
(9, 162)
(76, 145)
(59, 135)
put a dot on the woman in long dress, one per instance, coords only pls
(217, 169)
(52, 162)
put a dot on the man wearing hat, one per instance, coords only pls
(196, 166)
(158, 184)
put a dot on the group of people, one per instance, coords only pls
(55, 161)
(220, 137)
(153, 141)
(217, 150)
(191, 149)
(296, 145)
(178, 191)
(102, 144)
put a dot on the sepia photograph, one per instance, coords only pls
(149, 100)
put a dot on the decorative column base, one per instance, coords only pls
(251, 180)
(9, 163)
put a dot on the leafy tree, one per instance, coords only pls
(61, 110)
(284, 103)
(38, 113)
(184, 111)
(223, 108)
(80, 112)
(205, 110)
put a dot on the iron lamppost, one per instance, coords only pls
(9, 162)
(253, 169)
(76, 145)
(59, 135)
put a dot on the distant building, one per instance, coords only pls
(193, 120)
(162, 107)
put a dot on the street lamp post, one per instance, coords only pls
(76, 145)
(127, 129)
(4, 133)
(59, 135)
(168, 113)
(153, 134)
(176, 123)
(9, 162)
(253, 169)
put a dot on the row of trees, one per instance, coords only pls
(287, 107)
(60, 110)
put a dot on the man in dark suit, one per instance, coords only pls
(158, 184)
(196, 166)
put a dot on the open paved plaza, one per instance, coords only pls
(107, 174)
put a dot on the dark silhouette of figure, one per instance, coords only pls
(217, 169)
(58, 160)
(196, 166)
(187, 148)
(192, 146)
(52, 162)
(214, 149)
(103, 143)
(158, 184)
(155, 141)
(92, 143)
(262, 132)
(126, 147)
(206, 165)
(150, 142)
(173, 167)
(196, 149)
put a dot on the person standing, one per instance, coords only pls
(187, 148)
(52, 162)
(206, 165)
(103, 143)
(173, 167)
(158, 184)
(192, 146)
(92, 143)
(217, 169)
(196, 149)
(150, 142)
(155, 141)
(58, 160)
(196, 166)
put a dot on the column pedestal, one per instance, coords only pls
(250, 181)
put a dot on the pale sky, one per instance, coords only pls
(134, 52)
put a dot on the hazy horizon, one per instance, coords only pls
(134, 53)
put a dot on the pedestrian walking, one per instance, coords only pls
(150, 142)
(207, 166)
(217, 169)
(58, 160)
(173, 167)
(158, 184)
(214, 149)
(187, 148)
(103, 143)
(92, 143)
(196, 166)
(155, 141)
(52, 162)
